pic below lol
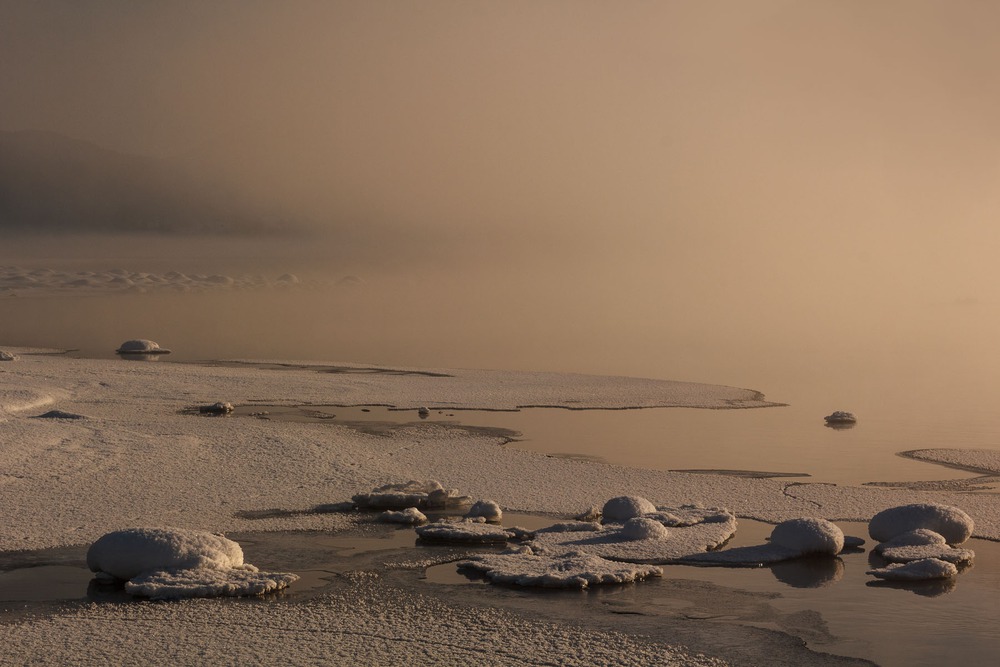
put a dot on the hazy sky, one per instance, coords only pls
(762, 155)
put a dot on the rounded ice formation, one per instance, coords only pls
(220, 408)
(623, 508)
(840, 417)
(124, 554)
(641, 528)
(918, 570)
(141, 346)
(914, 538)
(809, 536)
(950, 522)
(7, 356)
(486, 509)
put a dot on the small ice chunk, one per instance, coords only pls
(952, 523)
(207, 582)
(907, 554)
(411, 515)
(7, 356)
(641, 528)
(809, 536)
(399, 496)
(593, 513)
(220, 408)
(463, 531)
(840, 417)
(570, 570)
(141, 346)
(486, 509)
(928, 568)
(623, 508)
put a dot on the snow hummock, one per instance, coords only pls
(172, 562)
(641, 528)
(526, 567)
(928, 568)
(141, 346)
(950, 522)
(487, 509)
(410, 516)
(623, 508)
(809, 536)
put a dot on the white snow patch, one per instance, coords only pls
(928, 568)
(951, 522)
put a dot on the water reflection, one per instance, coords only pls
(809, 572)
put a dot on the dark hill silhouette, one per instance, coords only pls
(50, 182)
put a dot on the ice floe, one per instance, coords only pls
(464, 531)
(170, 563)
(524, 567)
(928, 568)
(950, 522)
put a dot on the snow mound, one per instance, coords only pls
(463, 531)
(809, 536)
(928, 568)
(7, 356)
(641, 528)
(952, 523)
(487, 509)
(410, 516)
(173, 562)
(422, 495)
(571, 570)
(141, 346)
(623, 508)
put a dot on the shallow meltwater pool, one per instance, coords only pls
(787, 441)
(828, 603)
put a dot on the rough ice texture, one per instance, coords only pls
(463, 531)
(841, 417)
(703, 528)
(487, 509)
(571, 570)
(928, 568)
(7, 356)
(163, 563)
(207, 582)
(419, 494)
(918, 537)
(127, 553)
(809, 536)
(411, 516)
(943, 552)
(623, 508)
(950, 522)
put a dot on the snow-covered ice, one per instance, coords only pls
(487, 509)
(623, 508)
(7, 356)
(141, 346)
(464, 531)
(809, 536)
(919, 570)
(523, 567)
(418, 494)
(165, 563)
(950, 522)
(409, 516)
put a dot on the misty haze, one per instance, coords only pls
(573, 206)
